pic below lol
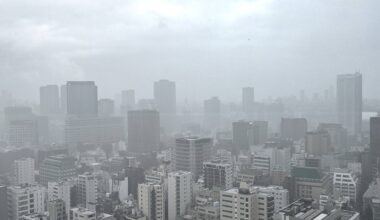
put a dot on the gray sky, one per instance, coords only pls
(209, 48)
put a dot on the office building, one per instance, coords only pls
(57, 210)
(349, 102)
(143, 131)
(49, 100)
(179, 193)
(190, 153)
(23, 128)
(3, 200)
(211, 110)
(279, 194)
(345, 184)
(152, 200)
(61, 191)
(82, 214)
(106, 107)
(128, 102)
(374, 139)
(94, 130)
(318, 143)
(293, 128)
(310, 183)
(371, 201)
(258, 133)
(248, 99)
(338, 136)
(57, 168)
(82, 98)
(23, 171)
(63, 99)
(24, 200)
(165, 100)
(246, 203)
(218, 175)
(246, 134)
(87, 191)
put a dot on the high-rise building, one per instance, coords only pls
(82, 98)
(246, 203)
(349, 102)
(87, 191)
(280, 195)
(371, 201)
(57, 210)
(63, 100)
(211, 113)
(345, 184)
(24, 200)
(248, 99)
(61, 191)
(95, 130)
(165, 100)
(179, 193)
(49, 100)
(318, 143)
(23, 128)
(246, 134)
(106, 107)
(218, 175)
(57, 168)
(293, 128)
(191, 152)
(4, 201)
(128, 101)
(374, 144)
(152, 200)
(23, 170)
(143, 131)
(338, 136)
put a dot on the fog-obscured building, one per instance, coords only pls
(165, 101)
(82, 98)
(143, 131)
(49, 100)
(349, 102)
(293, 128)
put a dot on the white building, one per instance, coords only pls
(179, 193)
(24, 200)
(82, 214)
(345, 184)
(246, 203)
(87, 186)
(151, 200)
(280, 195)
(60, 190)
(23, 170)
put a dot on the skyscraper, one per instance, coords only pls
(82, 98)
(179, 193)
(165, 100)
(349, 102)
(143, 131)
(248, 99)
(211, 113)
(49, 99)
(191, 152)
(23, 170)
(374, 143)
(106, 107)
(293, 128)
(127, 100)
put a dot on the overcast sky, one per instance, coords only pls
(209, 48)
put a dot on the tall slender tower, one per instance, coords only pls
(349, 102)
(165, 100)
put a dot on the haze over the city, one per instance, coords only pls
(207, 47)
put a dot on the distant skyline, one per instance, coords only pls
(209, 48)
